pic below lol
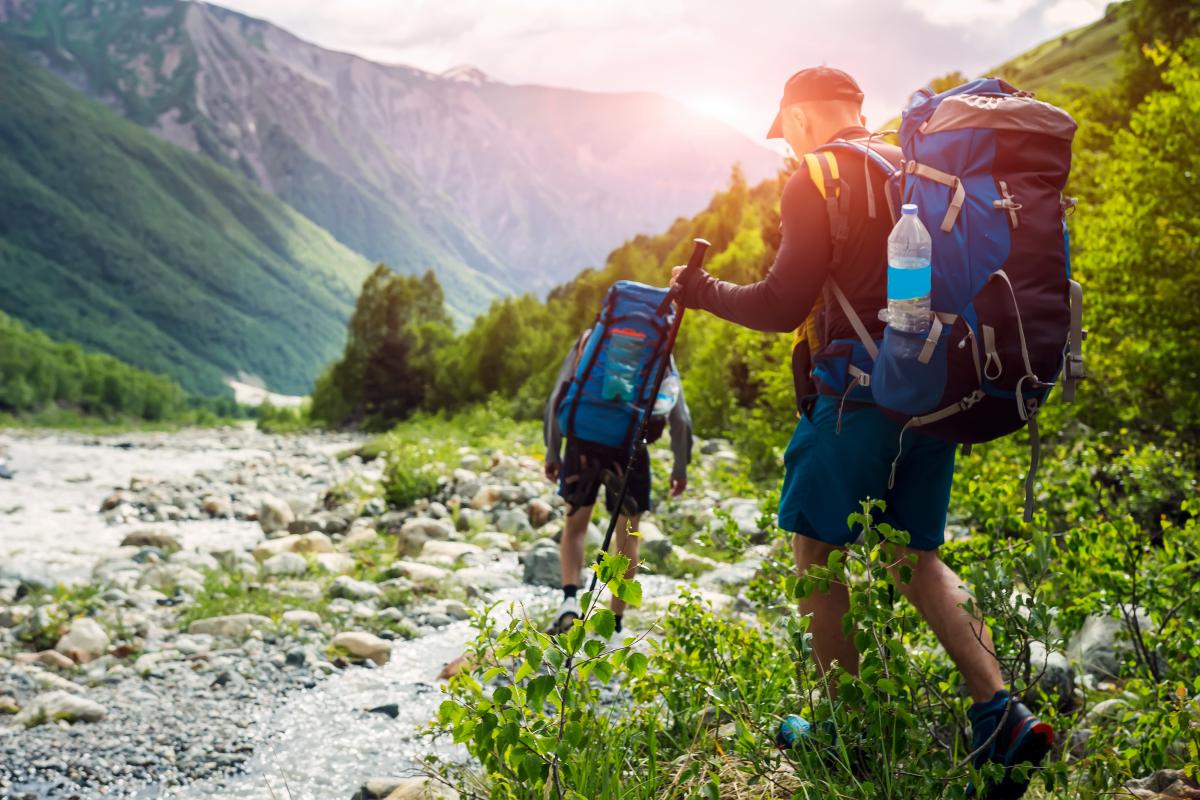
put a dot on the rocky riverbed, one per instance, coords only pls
(221, 613)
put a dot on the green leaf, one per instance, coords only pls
(523, 672)
(592, 647)
(603, 671)
(630, 591)
(602, 622)
(537, 691)
(533, 656)
(502, 695)
(636, 663)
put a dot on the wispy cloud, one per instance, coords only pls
(729, 58)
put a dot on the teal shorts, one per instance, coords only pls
(828, 474)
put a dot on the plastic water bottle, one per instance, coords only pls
(909, 273)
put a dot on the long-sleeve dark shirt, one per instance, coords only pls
(783, 299)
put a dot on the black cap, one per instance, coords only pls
(815, 83)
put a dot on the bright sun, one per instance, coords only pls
(714, 105)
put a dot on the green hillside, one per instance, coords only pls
(36, 372)
(1086, 56)
(127, 244)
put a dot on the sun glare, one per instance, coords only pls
(718, 106)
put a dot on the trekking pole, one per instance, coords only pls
(700, 246)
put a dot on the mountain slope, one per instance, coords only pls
(1087, 56)
(127, 244)
(497, 187)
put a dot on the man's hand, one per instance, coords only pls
(677, 486)
(676, 273)
(551, 469)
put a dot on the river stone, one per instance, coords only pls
(337, 563)
(361, 644)
(285, 565)
(351, 589)
(1054, 680)
(477, 580)
(422, 789)
(360, 537)
(486, 497)
(273, 547)
(234, 626)
(58, 705)
(48, 658)
(216, 506)
(513, 521)
(540, 512)
(147, 663)
(166, 578)
(419, 573)
(691, 563)
(542, 567)
(417, 531)
(447, 553)
(8, 705)
(470, 519)
(494, 540)
(713, 446)
(655, 547)
(302, 618)
(313, 542)
(274, 515)
(151, 537)
(84, 641)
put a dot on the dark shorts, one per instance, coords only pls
(828, 474)
(587, 467)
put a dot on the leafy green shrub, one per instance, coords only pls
(405, 482)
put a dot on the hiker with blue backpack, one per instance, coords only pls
(956, 338)
(617, 391)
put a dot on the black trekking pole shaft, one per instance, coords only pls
(700, 246)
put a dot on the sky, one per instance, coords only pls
(727, 58)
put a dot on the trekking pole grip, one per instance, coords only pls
(699, 248)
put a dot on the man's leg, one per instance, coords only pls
(570, 551)
(627, 545)
(939, 595)
(830, 644)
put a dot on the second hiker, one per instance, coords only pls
(585, 467)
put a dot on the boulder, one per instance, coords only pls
(285, 565)
(58, 705)
(233, 626)
(540, 512)
(361, 644)
(274, 515)
(351, 589)
(1054, 680)
(542, 567)
(84, 641)
(447, 553)
(690, 563)
(1102, 646)
(302, 618)
(417, 531)
(1164, 783)
(152, 537)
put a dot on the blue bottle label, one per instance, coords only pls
(906, 284)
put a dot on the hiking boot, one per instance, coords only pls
(1022, 739)
(568, 612)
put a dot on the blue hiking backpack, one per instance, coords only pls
(614, 374)
(986, 165)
